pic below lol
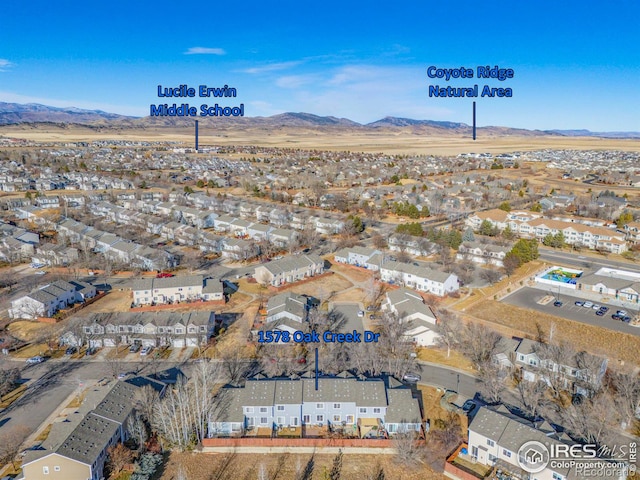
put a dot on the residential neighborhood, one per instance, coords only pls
(437, 310)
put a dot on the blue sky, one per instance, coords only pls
(577, 63)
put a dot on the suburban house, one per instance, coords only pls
(360, 257)
(482, 253)
(357, 406)
(153, 329)
(77, 447)
(497, 435)
(288, 311)
(419, 277)
(46, 301)
(186, 288)
(54, 254)
(416, 246)
(415, 315)
(580, 373)
(289, 269)
(238, 248)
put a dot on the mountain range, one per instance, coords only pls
(33, 113)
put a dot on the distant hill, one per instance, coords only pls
(33, 113)
(588, 133)
(12, 113)
(408, 122)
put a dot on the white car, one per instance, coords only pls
(361, 313)
(40, 272)
(34, 360)
(588, 304)
(595, 306)
(146, 350)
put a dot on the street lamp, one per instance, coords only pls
(458, 383)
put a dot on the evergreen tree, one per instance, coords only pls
(468, 235)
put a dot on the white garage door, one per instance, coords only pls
(178, 342)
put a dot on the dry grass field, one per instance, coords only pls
(615, 345)
(396, 141)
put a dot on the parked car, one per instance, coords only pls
(134, 348)
(40, 272)
(361, 313)
(70, 351)
(579, 304)
(91, 351)
(595, 306)
(622, 312)
(587, 304)
(123, 375)
(617, 316)
(469, 406)
(626, 319)
(557, 303)
(604, 309)
(164, 275)
(600, 313)
(146, 350)
(412, 377)
(34, 360)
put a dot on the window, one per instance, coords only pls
(490, 442)
(45, 470)
(362, 410)
(280, 408)
(249, 409)
(179, 330)
(336, 418)
(376, 410)
(506, 453)
(492, 458)
(56, 469)
(349, 418)
(281, 420)
(320, 406)
(336, 406)
(263, 409)
(294, 421)
(264, 420)
(319, 418)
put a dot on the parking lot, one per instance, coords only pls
(529, 297)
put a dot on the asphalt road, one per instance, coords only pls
(51, 383)
(582, 261)
(528, 297)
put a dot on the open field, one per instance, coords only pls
(248, 466)
(29, 330)
(599, 341)
(394, 141)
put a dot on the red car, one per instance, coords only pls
(164, 275)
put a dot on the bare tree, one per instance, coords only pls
(407, 449)
(10, 442)
(145, 401)
(119, 457)
(532, 396)
(626, 387)
(307, 472)
(137, 429)
(449, 327)
(493, 378)
(479, 343)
